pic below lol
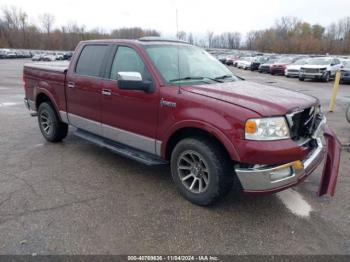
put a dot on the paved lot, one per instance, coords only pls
(76, 198)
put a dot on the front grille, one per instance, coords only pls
(304, 123)
(293, 70)
(311, 70)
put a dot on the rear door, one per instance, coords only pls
(83, 88)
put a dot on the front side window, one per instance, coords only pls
(127, 60)
(186, 63)
(91, 60)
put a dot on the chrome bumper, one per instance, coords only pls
(275, 178)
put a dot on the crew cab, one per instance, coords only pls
(320, 68)
(168, 102)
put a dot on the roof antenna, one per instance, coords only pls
(178, 52)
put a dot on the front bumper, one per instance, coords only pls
(312, 75)
(291, 73)
(270, 179)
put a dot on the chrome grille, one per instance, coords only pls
(311, 70)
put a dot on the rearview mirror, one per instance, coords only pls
(133, 81)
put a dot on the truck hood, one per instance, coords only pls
(315, 66)
(295, 67)
(263, 99)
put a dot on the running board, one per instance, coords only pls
(124, 150)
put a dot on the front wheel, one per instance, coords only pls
(327, 77)
(51, 127)
(201, 170)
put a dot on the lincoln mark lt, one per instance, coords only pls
(168, 102)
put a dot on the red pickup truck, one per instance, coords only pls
(161, 101)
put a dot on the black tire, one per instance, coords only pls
(210, 155)
(301, 78)
(327, 77)
(51, 127)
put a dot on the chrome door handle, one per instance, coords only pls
(106, 92)
(71, 84)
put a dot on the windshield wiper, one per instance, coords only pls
(223, 77)
(194, 78)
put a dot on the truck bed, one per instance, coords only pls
(59, 66)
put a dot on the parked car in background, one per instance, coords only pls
(280, 65)
(345, 71)
(3, 53)
(11, 54)
(320, 68)
(38, 57)
(59, 56)
(257, 61)
(245, 62)
(222, 58)
(230, 60)
(67, 56)
(49, 57)
(293, 69)
(266, 67)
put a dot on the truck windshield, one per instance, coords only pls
(181, 64)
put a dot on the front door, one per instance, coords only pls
(129, 116)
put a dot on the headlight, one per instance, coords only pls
(274, 128)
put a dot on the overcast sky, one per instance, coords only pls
(193, 15)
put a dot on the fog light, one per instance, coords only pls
(281, 174)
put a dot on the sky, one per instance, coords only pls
(193, 15)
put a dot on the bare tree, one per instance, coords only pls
(210, 36)
(47, 21)
(181, 35)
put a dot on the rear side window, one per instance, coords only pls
(90, 60)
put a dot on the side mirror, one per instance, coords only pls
(133, 81)
(332, 64)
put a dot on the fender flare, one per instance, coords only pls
(219, 135)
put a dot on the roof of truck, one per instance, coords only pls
(150, 40)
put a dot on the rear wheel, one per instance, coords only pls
(51, 127)
(301, 78)
(201, 170)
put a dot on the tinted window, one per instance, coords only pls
(90, 60)
(127, 60)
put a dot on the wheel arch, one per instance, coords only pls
(195, 131)
(42, 97)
